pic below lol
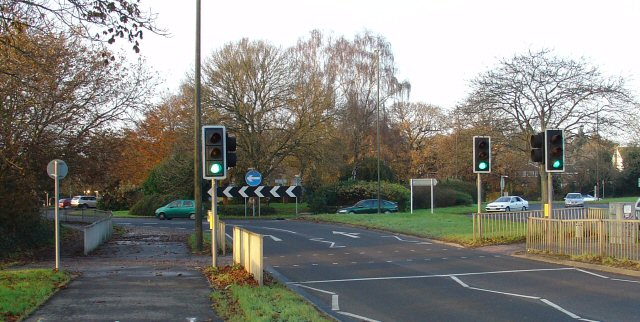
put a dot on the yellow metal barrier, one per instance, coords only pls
(247, 251)
(581, 237)
(513, 225)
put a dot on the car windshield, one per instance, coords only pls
(503, 199)
(574, 196)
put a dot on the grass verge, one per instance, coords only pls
(452, 224)
(22, 291)
(238, 298)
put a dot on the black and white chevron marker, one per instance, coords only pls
(260, 191)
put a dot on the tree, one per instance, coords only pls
(266, 97)
(536, 91)
(113, 19)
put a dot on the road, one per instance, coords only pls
(364, 275)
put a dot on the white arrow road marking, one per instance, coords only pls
(407, 241)
(241, 191)
(274, 238)
(332, 244)
(290, 192)
(227, 192)
(352, 235)
(258, 193)
(278, 229)
(274, 191)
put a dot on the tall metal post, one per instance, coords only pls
(378, 125)
(550, 193)
(479, 183)
(214, 224)
(55, 213)
(197, 154)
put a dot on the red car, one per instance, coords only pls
(64, 203)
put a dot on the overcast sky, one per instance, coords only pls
(439, 45)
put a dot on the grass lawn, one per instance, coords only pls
(22, 291)
(448, 224)
(236, 297)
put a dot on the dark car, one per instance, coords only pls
(177, 209)
(64, 203)
(370, 206)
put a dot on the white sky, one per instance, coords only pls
(439, 45)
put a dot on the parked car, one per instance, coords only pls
(370, 206)
(589, 198)
(64, 203)
(508, 203)
(177, 209)
(574, 199)
(84, 202)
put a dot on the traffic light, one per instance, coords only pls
(481, 154)
(214, 152)
(537, 147)
(230, 144)
(554, 150)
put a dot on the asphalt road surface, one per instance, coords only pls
(364, 275)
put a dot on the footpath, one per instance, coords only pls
(144, 275)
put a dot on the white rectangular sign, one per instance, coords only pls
(424, 182)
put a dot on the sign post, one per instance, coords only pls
(423, 183)
(57, 169)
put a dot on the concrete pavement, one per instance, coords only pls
(143, 275)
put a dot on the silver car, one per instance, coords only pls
(574, 199)
(84, 202)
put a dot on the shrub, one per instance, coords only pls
(238, 210)
(148, 204)
(328, 198)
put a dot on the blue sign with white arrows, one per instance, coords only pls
(253, 178)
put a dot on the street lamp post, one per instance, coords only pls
(378, 123)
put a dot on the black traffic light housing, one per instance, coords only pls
(537, 147)
(231, 151)
(214, 156)
(554, 150)
(481, 154)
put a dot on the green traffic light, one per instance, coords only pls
(216, 168)
(483, 165)
(556, 164)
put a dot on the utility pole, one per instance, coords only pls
(197, 154)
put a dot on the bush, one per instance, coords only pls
(238, 210)
(118, 200)
(447, 193)
(328, 198)
(148, 204)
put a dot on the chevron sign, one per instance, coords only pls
(260, 191)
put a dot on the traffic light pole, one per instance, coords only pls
(479, 184)
(214, 224)
(550, 193)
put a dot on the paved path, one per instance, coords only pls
(144, 275)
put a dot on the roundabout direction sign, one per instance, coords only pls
(253, 178)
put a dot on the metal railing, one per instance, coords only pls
(579, 237)
(513, 225)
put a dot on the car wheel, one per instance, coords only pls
(84, 206)
(387, 212)
(507, 209)
(524, 208)
(351, 212)
(162, 216)
(192, 216)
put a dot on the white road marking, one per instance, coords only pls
(149, 223)
(358, 317)
(278, 229)
(352, 235)
(591, 273)
(181, 228)
(274, 238)
(435, 275)
(331, 244)
(334, 297)
(621, 280)
(557, 307)
(124, 223)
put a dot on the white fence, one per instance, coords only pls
(247, 251)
